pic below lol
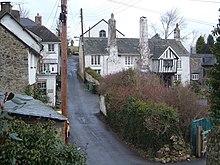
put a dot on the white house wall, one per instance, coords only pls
(184, 71)
(51, 87)
(94, 32)
(32, 68)
(51, 58)
(51, 55)
(109, 67)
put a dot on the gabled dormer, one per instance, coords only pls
(164, 60)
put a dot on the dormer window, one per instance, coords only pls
(102, 33)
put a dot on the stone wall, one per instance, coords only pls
(13, 62)
(102, 105)
(91, 79)
(213, 148)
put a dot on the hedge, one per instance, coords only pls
(146, 125)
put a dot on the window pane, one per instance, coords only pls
(95, 60)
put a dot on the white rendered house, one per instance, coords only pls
(49, 66)
(110, 54)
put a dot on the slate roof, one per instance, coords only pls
(41, 31)
(130, 46)
(45, 34)
(30, 107)
(27, 22)
(206, 59)
(195, 65)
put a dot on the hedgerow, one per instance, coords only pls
(146, 125)
(151, 92)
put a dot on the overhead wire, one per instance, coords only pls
(205, 1)
(102, 11)
(56, 4)
(55, 18)
(157, 12)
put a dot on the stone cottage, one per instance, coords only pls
(19, 53)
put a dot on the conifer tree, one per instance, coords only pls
(209, 44)
(200, 45)
(215, 79)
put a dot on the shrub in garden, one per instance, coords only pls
(149, 87)
(146, 125)
(93, 73)
(189, 108)
(39, 145)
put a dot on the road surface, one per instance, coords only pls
(101, 145)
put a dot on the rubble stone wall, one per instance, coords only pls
(213, 148)
(13, 62)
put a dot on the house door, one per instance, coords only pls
(168, 79)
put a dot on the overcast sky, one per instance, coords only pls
(200, 15)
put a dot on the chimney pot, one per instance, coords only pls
(38, 19)
(6, 7)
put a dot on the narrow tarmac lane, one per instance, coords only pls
(101, 145)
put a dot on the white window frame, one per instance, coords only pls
(43, 86)
(44, 67)
(195, 76)
(177, 77)
(98, 71)
(51, 47)
(102, 33)
(128, 60)
(179, 64)
(95, 60)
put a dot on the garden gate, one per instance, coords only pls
(199, 132)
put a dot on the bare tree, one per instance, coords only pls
(154, 28)
(24, 12)
(169, 20)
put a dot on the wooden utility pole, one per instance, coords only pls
(63, 20)
(82, 41)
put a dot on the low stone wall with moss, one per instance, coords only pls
(213, 148)
(89, 78)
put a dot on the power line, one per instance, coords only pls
(205, 1)
(157, 12)
(55, 17)
(56, 4)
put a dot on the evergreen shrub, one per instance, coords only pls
(145, 125)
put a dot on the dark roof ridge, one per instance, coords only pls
(7, 13)
(98, 23)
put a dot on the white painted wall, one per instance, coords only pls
(94, 32)
(50, 55)
(51, 87)
(184, 70)
(108, 67)
(32, 67)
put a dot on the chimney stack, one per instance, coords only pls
(6, 7)
(112, 31)
(144, 49)
(38, 19)
(177, 33)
